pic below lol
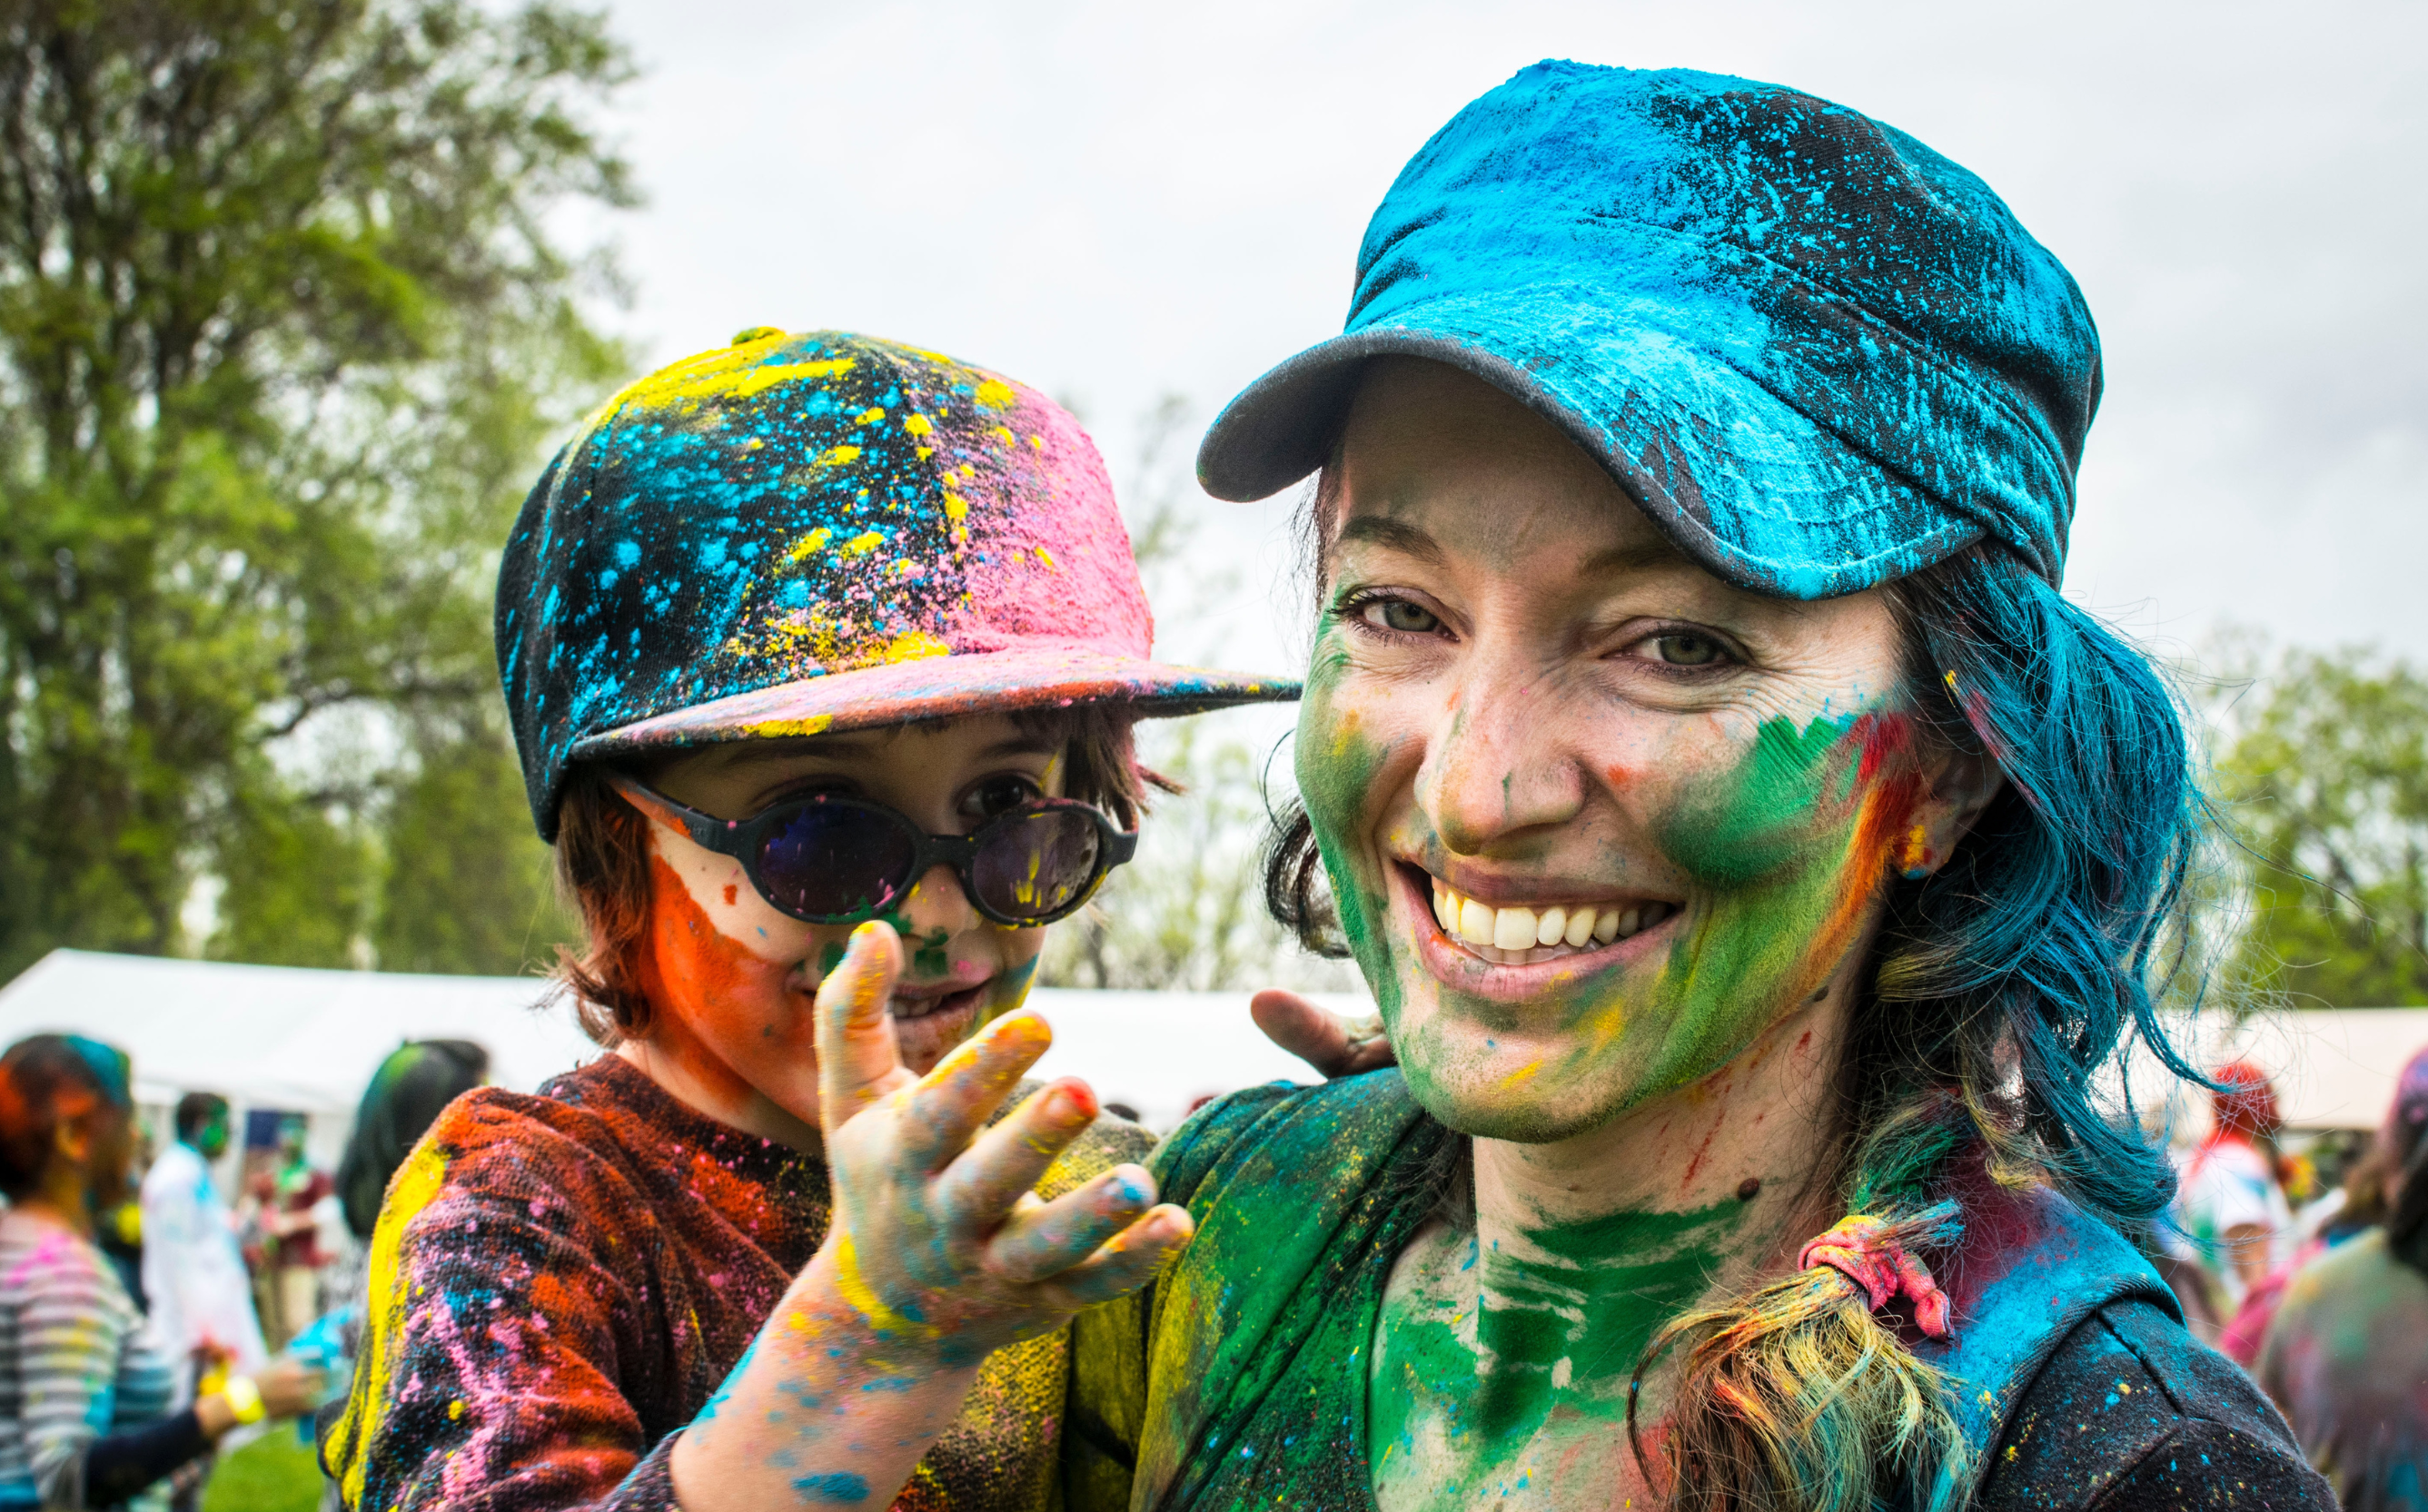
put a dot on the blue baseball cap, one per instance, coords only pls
(1818, 354)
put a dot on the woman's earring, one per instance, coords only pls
(1916, 859)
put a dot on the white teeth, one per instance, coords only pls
(1512, 929)
(1474, 922)
(1521, 936)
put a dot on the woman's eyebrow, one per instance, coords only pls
(1396, 535)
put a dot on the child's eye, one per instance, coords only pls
(999, 795)
(1400, 615)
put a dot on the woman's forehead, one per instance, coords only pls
(1434, 459)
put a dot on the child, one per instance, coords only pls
(798, 633)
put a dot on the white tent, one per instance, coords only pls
(269, 1037)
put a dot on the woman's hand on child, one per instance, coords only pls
(1336, 1044)
(937, 1232)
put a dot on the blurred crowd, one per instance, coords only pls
(2311, 1271)
(149, 1320)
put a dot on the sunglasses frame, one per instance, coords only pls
(743, 839)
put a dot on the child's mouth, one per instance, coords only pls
(928, 1022)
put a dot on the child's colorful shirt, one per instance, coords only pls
(560, 1281)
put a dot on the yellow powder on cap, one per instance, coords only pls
(917, 425)
(837, 456)
(815, 541)
(994, 394)
(861, 546)
(777, 728)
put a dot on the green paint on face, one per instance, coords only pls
(1336, 767)
(1756, 819)
(1771, 846)
(830, 957)
(1494, 1351)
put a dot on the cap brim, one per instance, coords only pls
(949, 687)
(1744, 482)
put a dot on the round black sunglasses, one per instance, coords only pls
(830, 860)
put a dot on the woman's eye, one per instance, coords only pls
(1687, 648)
(1400, 615)
(999, 795)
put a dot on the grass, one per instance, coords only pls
(274, 1473)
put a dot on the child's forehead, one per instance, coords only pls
(985, 735)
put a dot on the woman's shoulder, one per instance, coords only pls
(2132, 1411)
(40, 1262)
(1286, 1132)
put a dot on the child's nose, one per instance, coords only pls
(937, 903)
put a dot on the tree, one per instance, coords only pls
(280, 318)
(2325, 783)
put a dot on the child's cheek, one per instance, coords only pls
(721, 894)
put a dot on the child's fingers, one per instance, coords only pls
(1126, 1262)
(857, 1054)
(1044, 1240)
(977, 1189)
(968, 1085)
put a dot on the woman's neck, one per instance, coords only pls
(1735, 1160)
(61, 1200)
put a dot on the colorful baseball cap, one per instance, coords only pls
(795, 534)
(1816, 353)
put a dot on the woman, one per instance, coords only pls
(85, 1388)
(1754, 857)
(797, 632)
(2346, 1355)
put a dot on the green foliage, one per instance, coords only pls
(2326, 782)
(276, 1472)
(282, 335)
(465, 883)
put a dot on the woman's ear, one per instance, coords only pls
(72, 1141)
(1958, 785)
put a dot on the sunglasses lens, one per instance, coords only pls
(1037, 864)
(836, 861)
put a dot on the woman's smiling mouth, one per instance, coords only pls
(1528, 934)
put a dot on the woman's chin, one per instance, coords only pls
(1487, 1085)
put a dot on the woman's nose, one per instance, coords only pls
(1493, 767)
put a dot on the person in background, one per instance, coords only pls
(200, 1295)
(293, 1224)
(2230, 1211)
(193, 1271)
(86, 1387)
(2346, 1356)
(406, 1097)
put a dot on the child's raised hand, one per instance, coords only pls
(937, 1234)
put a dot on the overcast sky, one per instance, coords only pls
(1116, 202)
